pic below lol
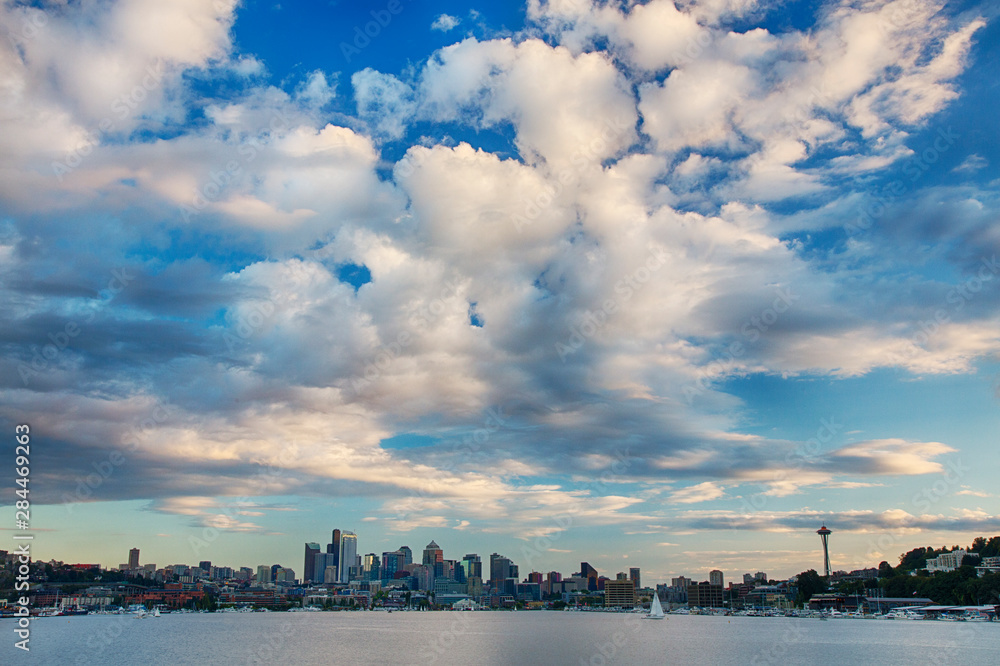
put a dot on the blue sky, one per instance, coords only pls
(637, 283)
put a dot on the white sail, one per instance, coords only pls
(655, 609)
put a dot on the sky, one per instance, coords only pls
(652, 284)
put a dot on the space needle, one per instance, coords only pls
(824, 534)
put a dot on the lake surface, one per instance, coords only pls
(536, 637)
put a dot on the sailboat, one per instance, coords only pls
(655, 610)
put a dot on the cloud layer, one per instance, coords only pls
(589, 227)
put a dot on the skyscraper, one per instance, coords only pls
(133, 558)
(334, 547)
(391, 563)
(473, 565)
(322, 562)
(716, 577)
(348, 555)
(407, 555)
(824, 535)
(590, 573)
(633, 575)
(432, 554)
(263, 574)
(500, 570)
(309, 566)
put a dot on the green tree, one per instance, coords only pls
(809, 583)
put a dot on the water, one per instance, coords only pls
(536, 637)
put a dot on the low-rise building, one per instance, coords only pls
(704, 595)
(948, 561)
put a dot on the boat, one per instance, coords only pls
(655, 610)
(156, 612)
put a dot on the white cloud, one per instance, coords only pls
(703, 492)
(444, 23)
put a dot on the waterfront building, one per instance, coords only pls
(474, 586)
(619, 593)
(704, 595)
(551, 578)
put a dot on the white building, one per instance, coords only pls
(988, 565)
(947, 561)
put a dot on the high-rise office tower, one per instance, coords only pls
(334, 547)
(309, 566)
(501, 568)
(133, 558)
(321, 562)
(590, 573)
(633, 574)
(432, 554)
(716, 577)
(407, 555)
(473, 565)
(391, 563)
(263, 574)
(348, 555)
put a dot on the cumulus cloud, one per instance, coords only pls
(444, 23)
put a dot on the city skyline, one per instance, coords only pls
(608, 571)
(652, 282)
